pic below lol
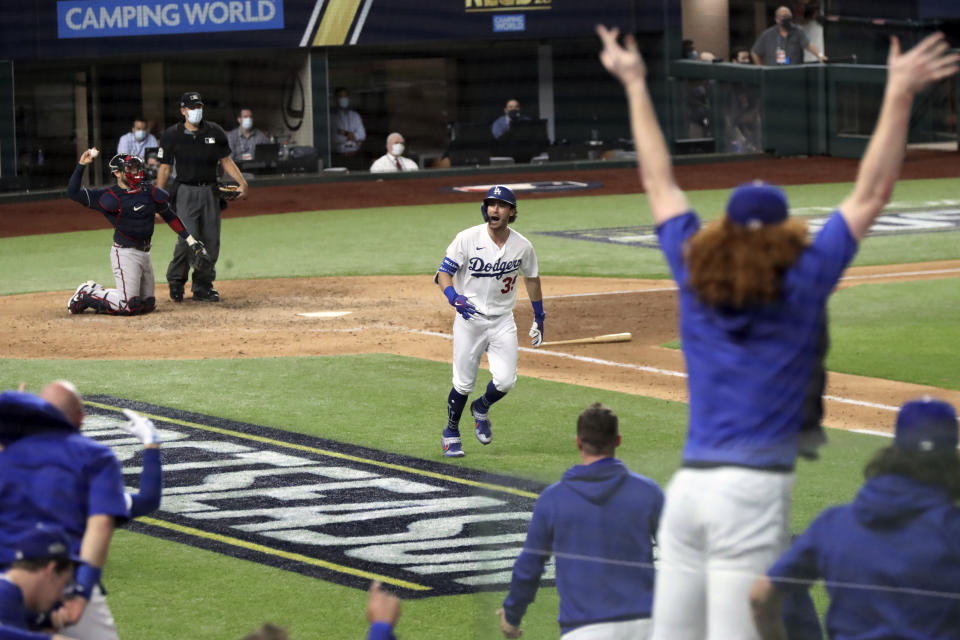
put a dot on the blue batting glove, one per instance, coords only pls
(460, 303)
(463, 307)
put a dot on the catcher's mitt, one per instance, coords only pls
(201, 258)
(229, 191)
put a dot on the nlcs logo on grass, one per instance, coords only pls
(325, 509)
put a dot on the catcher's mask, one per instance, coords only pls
(130, 166)
(503, 194)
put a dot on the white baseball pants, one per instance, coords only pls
(133, 274)
(623, 630)
(722, 528)
(96, 623)
(497, 336)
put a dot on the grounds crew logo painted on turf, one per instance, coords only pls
(543, 186)
(325, 509)
(899, 223)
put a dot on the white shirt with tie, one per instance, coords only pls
(387, 163)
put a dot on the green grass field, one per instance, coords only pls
(392, 403)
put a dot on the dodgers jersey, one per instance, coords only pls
(487, 274)
(51, 473)
(750, 369)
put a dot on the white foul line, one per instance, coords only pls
(664, 372)
(862, 403)
(901, 274)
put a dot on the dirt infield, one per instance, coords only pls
(257, 321)
(407, 316)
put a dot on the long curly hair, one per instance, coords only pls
(939, 468)
(735, 266)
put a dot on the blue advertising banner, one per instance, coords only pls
(112, 18)
(37, 29)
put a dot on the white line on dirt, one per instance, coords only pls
(901, 274)
(862, 403)
(872, 276)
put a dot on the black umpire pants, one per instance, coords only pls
(198, 207)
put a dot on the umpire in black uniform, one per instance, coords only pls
(196, 146)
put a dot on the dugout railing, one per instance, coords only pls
(810, 109)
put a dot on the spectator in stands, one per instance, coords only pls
(810, 20)
(599, 523)
(741, 55)
(688, 51)
(35, 581)
(511, 114)
(243, 140)
(890, 560)
(742, 115)
(393, 159)
(136, 141)
(783, 43)
(348, 132)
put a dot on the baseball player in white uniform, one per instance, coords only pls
(479, 275)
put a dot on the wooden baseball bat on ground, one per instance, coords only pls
(610, 337)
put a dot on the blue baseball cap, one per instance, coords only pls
(757, 203)
(43, 541)
(925, 425)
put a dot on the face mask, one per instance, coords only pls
(133, 172)
(397, 149)
(343, 102)
(513, 114)
(787, 23)
(247, 123)
(195, 116)
(693, 55)
(139, 134)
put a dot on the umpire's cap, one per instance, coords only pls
(503, 194)
(756, 204)
(925, 425)
(43, 542)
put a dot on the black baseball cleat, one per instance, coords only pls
(176, 292)
(207, 295)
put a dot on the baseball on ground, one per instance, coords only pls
(94, 152)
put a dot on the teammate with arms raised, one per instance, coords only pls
(479, 275)
(753, 292)
(129, 206)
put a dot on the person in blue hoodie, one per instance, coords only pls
(599, 523)
(890, 560)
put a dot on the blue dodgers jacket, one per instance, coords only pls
(890, 561)
(599, 523)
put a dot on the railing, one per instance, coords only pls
(808, 109)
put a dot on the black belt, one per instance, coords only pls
(139, 246)
(197, 184)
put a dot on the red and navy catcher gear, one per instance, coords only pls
(503, 194)
(130, 166)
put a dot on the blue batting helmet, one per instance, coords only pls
(503, 194)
